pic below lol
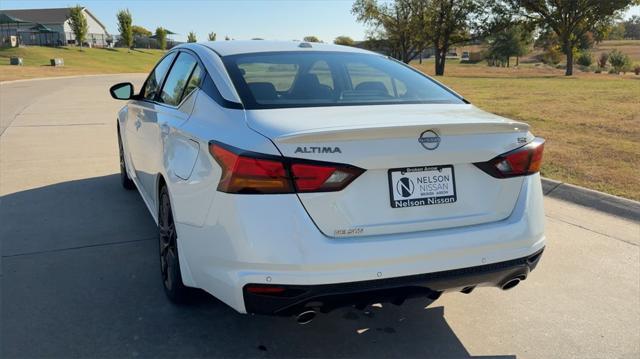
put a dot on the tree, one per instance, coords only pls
(78, 24)
(161, 37)
(632, 28)
(514, 41)
(571, 19)
(311, 38)
(212, 36)
(191, 37)
(450, 24)
(401, 25)
(139, 31)
(344, 40)
(125, 27)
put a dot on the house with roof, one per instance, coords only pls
(49, 27)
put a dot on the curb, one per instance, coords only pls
(600, 201)
(68, 77)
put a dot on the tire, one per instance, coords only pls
(125, 180)
(174, 288)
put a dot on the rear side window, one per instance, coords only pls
(311, 79)
(152, 85)
(178, 79)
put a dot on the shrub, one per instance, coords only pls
(552, 56)
(619, 61)
(637, 70)
(602, 60)
(585, 59)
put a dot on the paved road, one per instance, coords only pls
(80, 274)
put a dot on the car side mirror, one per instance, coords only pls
(122, 91)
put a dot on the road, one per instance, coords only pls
(80, 275)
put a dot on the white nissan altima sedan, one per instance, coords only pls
(289, 177)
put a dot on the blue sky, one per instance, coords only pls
(241, 19)
(273, 20)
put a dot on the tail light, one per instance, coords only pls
(250, 172)
(522, 161)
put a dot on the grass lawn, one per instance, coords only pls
(591, 121)
(76, 61)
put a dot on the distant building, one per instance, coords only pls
(50, 27)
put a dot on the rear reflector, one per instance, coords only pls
(254, 173)
(255, 289)
(522, 161)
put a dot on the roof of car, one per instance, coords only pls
(235, 47)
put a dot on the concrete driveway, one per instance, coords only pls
(80, 274)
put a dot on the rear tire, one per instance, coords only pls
(174, 288)
(125, 180)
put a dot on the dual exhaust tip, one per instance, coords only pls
(308, 316)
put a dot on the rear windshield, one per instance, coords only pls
(309, 79)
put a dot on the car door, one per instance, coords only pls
(169, 111)
(141, 114)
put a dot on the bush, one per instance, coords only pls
(552, 56)
(602, 60)
(585, 59)
(637, 70)
(619, 61)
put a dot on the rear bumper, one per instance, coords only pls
(295, 299)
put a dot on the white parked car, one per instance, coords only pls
(288, 178)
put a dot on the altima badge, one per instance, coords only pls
(429, 140)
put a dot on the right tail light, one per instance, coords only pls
(522, 161)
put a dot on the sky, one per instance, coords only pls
(240, 19)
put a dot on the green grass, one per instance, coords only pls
(76, 61)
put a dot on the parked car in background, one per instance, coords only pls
(288, 178)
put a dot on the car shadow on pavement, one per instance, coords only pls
(80, 278)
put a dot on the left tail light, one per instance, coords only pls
(255, 173)
(522, 161)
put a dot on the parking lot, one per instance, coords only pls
(80, 275)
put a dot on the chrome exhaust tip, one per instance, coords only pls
(511, 283)
(306, 317)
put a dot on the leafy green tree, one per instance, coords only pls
(571, 19)
(78, 24)
(191, 37)
(311, 38)
(212, 36)
(344, 40)
(449, 23)
(139, 31)
(161, 37)
(125, 27)
(515, 41)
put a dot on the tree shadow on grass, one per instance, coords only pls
(80, 278)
